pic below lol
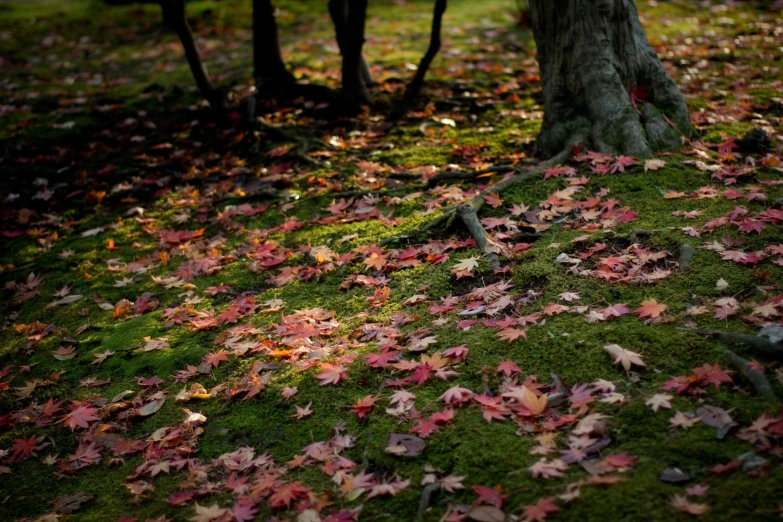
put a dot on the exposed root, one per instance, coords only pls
(424, 500)
(469, 216)
(759, 345)
(477, 202)
(759, 381)
(299, 152)
(686, 255)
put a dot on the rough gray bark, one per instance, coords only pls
(174, 14)
(269, 70)
(418, 80)
(592, 55)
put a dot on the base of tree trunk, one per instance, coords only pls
(604, 86)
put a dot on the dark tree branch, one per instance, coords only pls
(268, 65)
(418, 80)
(174, 13)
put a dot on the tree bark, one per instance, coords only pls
(174, 13)
(269, 70)
(604, 86)
(354, 88)
(338, 10)
(418, 80)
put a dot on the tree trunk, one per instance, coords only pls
(269, 70)
(418, 80)
(338, 10)
(174, 13)
(604, 86)
(354, 88)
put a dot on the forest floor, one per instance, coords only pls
(203, 322)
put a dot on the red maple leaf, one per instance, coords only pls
(216, 358)
(508, 368)
(80, 416)
(539, 511)
(26, 448)
(364, 405)
(651, 308)
(332, 374)
(489, 496)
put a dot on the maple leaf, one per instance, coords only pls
(659, 400)
(508, 368)
(685, 505)
(681, 420)
(154, 344)
(301, 413)
(376, 261)
(425, 428)
(651, 308)
(624, 357)
(621, 460)
(456, 395)
(207, 513)
(80, 416)
(25, 448)
(285, 494)
(511, 334)
(531, 405)
(466, 265)
(332, 374)
(493, 199)
(539, 511)
(101, 357)
(548, 469)
(489, 496)
(653, 164)
(364, 405)
(451, 483)
(214, 359)
(287, 392)
(244, 511)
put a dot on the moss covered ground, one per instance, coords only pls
(188, 249)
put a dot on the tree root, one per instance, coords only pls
(469, 216)
(478, 201)
(424, 500)
(757, 344)
(759, 381)
(303, 145)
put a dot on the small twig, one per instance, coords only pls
(756, 378)
(443, 176)
(17, 268)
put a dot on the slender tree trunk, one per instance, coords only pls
(418, 80)
(174, 13)
(604, 86)
(338, 10)
(269, 70)
(354, 89)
